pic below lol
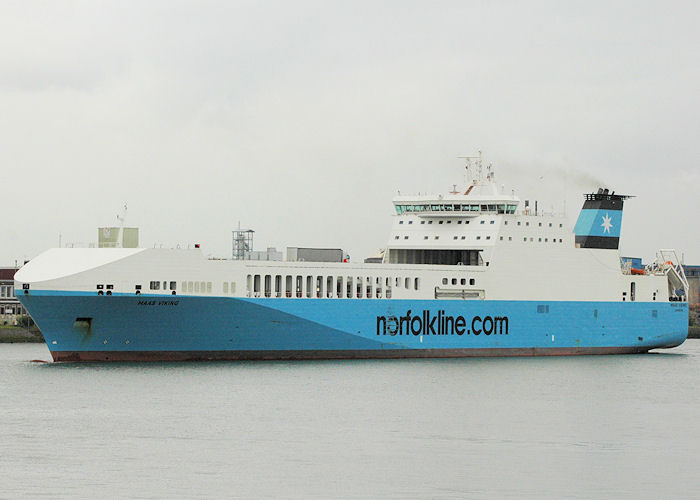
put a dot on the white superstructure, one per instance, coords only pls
(475, 244)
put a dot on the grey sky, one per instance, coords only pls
(303, 119)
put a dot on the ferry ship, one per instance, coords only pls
(473, 272)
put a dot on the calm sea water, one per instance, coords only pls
(594, 426)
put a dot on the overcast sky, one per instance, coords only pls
(301, 120)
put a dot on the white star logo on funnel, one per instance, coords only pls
(606, 223)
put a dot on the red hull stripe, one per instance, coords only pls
(76, 356)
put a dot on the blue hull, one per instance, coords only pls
(129, 327)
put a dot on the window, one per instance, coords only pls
(546, 240)
(190, 286)
(430, 222)
(339, 287)
(173, 285)
(309, 285)
(425, 237)
(233, 287)
(525, 239)
(463, 281)
(155, 285)
(482, 222)
(550, 224)
(440, 222)
(256, 284)
(478, 237)
(410, 222)
(561, 225)
(539, 239)
(407, 283)
(510, 238)
(208, 286)
(505, 223)
(459, 222)
(405, 237)
(454, 281)
(416, 283)
(422, 222)
(278, 285)
(396, 237)
(454, 237)
(527, 223)
(444, 281)
(437, 237)
(288, 286)
(472, 281)
(400, 222)
(492, 222)
(559, 240)
(449, 222)
(540, 224)
(463, 237)
(501, 238)
(488, 237)
(196, 286)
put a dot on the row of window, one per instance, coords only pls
(461, 281)
(539, 224)
(13, 309)
(349, 287)
(7, 291)
(192, 286)
(478, 237)
(450, 207)
(155, 285)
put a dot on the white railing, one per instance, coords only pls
(668, 263)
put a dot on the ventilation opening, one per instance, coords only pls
(82, 325)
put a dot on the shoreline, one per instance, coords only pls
(18, 334)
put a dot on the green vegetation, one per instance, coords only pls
(25, 331)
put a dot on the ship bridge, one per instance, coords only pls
(450, 229)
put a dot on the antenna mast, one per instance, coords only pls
(473, 166)
(120, 237)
